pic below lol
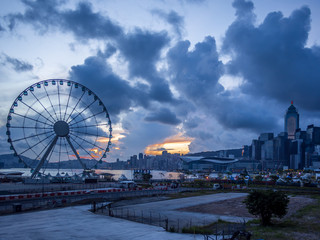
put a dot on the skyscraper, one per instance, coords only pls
(291, 121)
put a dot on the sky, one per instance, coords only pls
(182, 76)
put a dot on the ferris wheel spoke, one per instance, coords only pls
(65, 112)
(44, 107)
(82, 111)
(51, 103)
(91, 134)
(66, 146)
(75, 106)
(76, 153)
(16, 140)
(84, 149)
(86, 118)
(30, 147)
(59, 100)
(59, 153)
(93, 144)
(30, 127)
(37, 112)
(45, 155)
(36, 120)
(93, 125)
(67, 151)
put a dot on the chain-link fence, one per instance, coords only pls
(173, 224)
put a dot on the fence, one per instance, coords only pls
(172, 224)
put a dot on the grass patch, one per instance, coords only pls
(304, 224)
(212, 228)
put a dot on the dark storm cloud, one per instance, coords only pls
(173, 18)
(82, 22)
(163, 115)
(143, 133)
(18, 65)
(203, 135)
(41, 14)
(109, 51)
(273, 58)
(161, 92)
(191, 123)
(142, 50)
(1, 28)
(196, 73)
(243, 9)
(115, 92)
(245, 113)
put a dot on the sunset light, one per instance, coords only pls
(176, 144)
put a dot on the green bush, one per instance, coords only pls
(267, 204)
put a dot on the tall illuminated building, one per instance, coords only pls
(291, 121)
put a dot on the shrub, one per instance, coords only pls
(267, 204)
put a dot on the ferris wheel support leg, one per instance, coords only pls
(76, 153)
(44, 157)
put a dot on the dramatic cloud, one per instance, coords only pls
(273, 57)
(141, 133)
(163, 115)
(116, 93)
(156, 85)
(173, 18)
(82, 22)
(241, 113)
(196, 73)
(142, 50)
(244, 10)
(174, 144)
(18, 65)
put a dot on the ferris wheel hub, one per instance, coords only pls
(61, 128)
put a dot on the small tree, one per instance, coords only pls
(267, 204)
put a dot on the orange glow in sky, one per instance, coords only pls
(96, 154)
(175, 144)
(115, 138)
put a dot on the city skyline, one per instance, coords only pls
(186, 76)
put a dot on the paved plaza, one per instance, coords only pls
(79, 223)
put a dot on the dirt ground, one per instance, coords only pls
(236, 207)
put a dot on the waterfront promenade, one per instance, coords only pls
(79, 223)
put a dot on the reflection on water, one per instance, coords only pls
(156, 174)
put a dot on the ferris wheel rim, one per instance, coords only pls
(55, 117)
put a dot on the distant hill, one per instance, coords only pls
(10, 161)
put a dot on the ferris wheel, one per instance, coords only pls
(58, 124)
